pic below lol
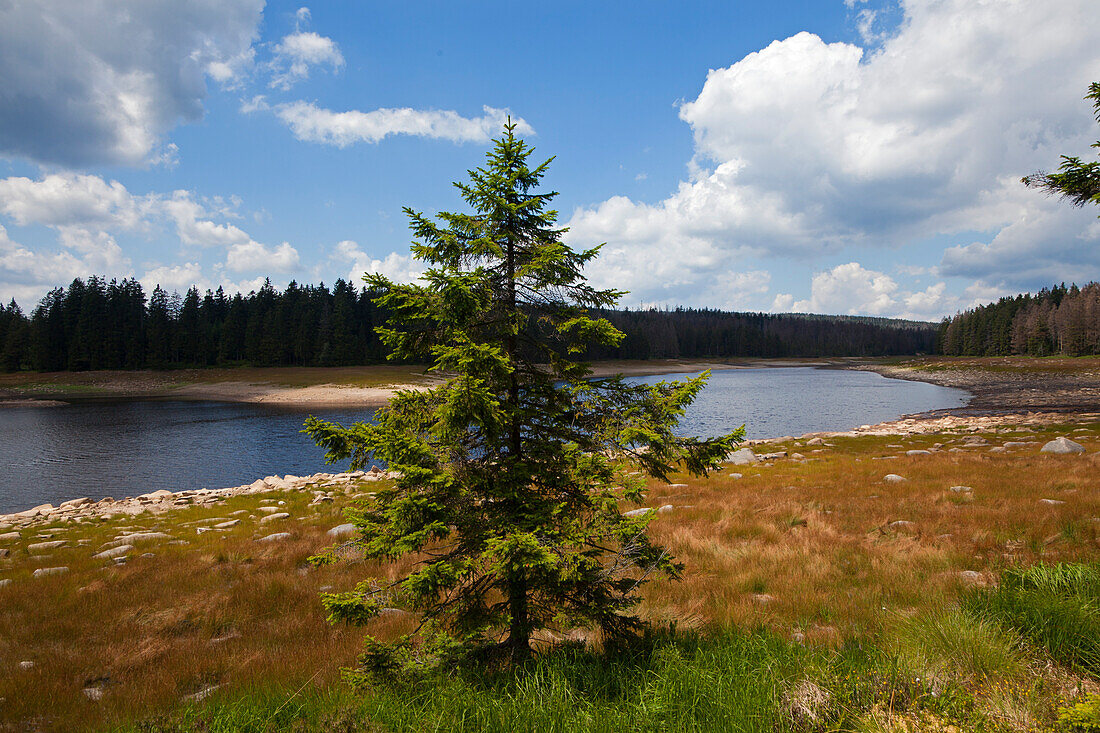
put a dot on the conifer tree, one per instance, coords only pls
(513, 470)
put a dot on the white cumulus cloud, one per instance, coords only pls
(251, 256)
(806, 148)
(398, 267)
(297, 52)
(311, 123)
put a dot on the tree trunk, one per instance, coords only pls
(519, 630)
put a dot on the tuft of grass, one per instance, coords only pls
(1056, 607)
(954, 645)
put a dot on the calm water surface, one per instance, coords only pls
(127, 448)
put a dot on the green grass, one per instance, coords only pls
(721, 681)
(1056, 607)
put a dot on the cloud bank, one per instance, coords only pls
(88, 82)
(806, 149)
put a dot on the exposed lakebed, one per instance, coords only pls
(125, 448)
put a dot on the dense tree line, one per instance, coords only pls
(699, 333)
(96, 324)
(1056, 320)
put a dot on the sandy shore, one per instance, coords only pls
(370, 386)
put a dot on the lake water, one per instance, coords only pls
(125, 448)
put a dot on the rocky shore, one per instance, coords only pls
(87, 510)
(1012, 387)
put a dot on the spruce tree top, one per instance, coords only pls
(513, 469)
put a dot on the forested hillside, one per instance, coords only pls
(1056, 320)
(95, 324)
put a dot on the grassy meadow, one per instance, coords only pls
(816, 596)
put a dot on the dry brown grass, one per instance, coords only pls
(802, 547)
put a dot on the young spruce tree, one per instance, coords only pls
(513, 470)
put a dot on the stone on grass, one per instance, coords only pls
(95, 694)
(1052, 502)
(9, 536)
(342, 530)
(971, 577)
(762, 599)
(26, 664)
(637, 512)
(918, 452)
(227, 524)
(277, 537)
(43, 572)
(961, 489)
(998, 449)
(75, 503)
(267, 509)
(893, 478)
(815, 441)
(901, 524)
(113, 552)
(736, 475)
(4, 582)
(273, 517)
(142, 537)
(201, 694)
(1062, 446)
(742, 457)
(39, 548)
(665, 509)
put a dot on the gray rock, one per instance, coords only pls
(736, 475)
(9, 536)
(39, 548)
(141, 537)
(267, 509)
(75, 503)
(918, 452)
(961, 489)
(742, 457)
(901, 524)
(274, 517)
(762, 599)
(893, 478)
(227, 524)
(666, 509)
(113, 552)
(394, 612)
(815, 441)
(277, 537)
(1062, 446)
(5, 582)
(26, 664)
(637, 512)
(998, 449)
(43, 572)
(1051, 502)
(341, 530)
(95, 694)
(201, 694)
(971, 577)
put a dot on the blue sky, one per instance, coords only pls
(856, 156)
